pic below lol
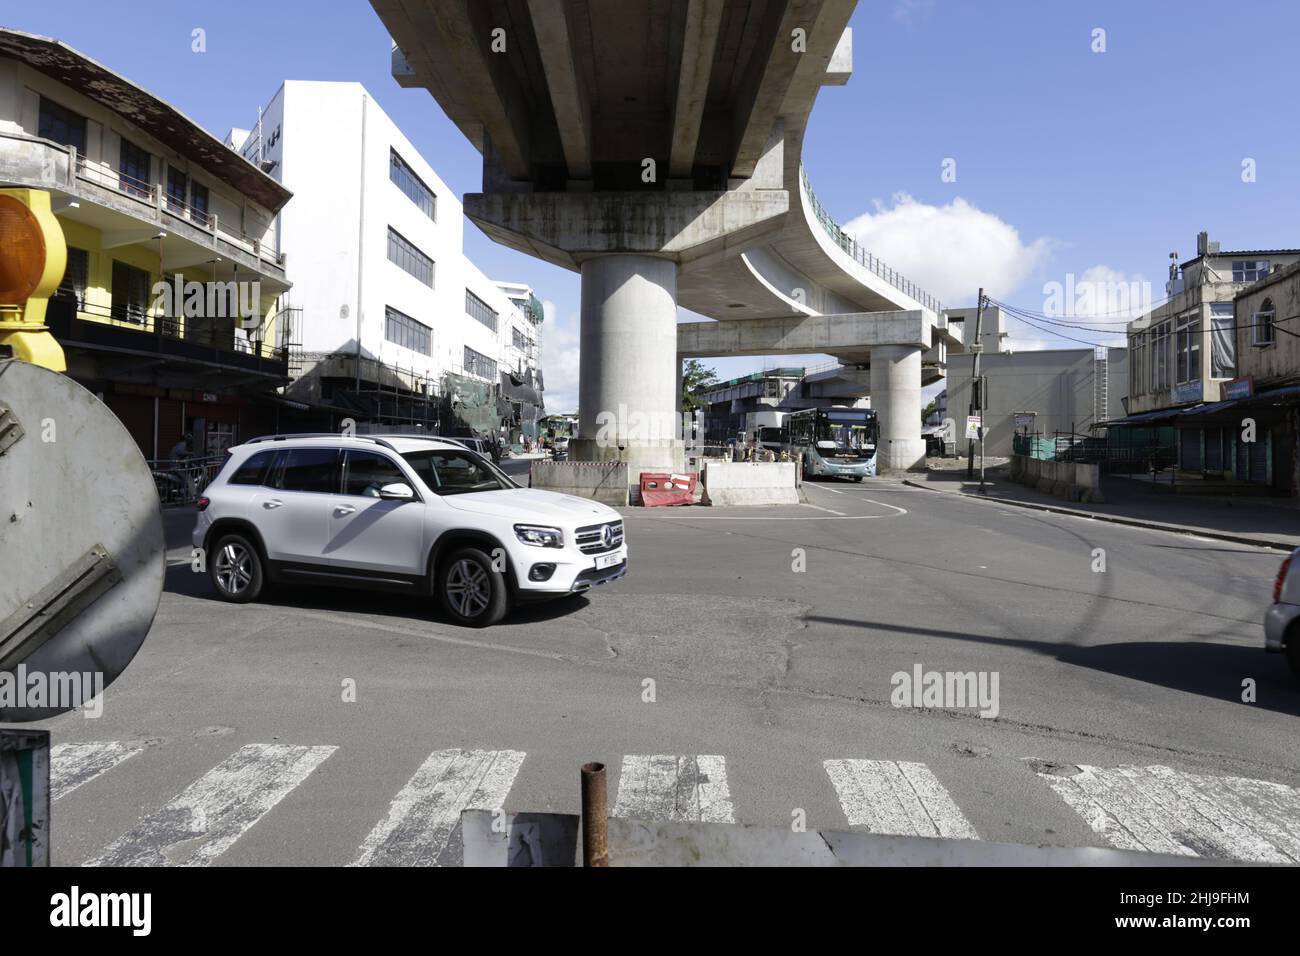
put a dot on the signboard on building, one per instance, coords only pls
(1188, 392)
(1024, 422)
(1243, 387)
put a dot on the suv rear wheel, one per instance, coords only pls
(472, 592)
(236, 569)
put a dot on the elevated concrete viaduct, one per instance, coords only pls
(654, 147)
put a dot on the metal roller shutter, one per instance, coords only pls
(1259, 458)
(136, 413)
(1189, 441)
(1214, 449)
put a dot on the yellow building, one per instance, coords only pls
(173, 306)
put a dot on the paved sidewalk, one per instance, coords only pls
(1274, 524)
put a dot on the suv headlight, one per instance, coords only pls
(540, 535)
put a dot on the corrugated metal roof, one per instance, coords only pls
(1289, 394)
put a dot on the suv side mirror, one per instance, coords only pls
(398, 491)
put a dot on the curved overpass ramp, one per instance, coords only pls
(655, 147)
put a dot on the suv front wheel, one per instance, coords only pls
(236, 569)
(472, 592)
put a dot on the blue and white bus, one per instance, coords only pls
(836, 442)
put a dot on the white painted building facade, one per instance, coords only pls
(373, 241)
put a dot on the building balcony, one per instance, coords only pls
(116, 345)
(130, 211)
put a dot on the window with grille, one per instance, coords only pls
(405, 179)
(480, 310)
(401, 329)
(403, 253)
(476, 363)
(135, 168)
(1189, 348)
(1262, 330)
(177, 187)
(1249, 270)
(130, 293)
(61, 125)
(1160, 357)
(199, 202)
(76, 277)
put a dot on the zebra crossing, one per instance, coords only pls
(1154, 808)
(422, 817)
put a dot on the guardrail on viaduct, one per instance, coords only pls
(862, 256)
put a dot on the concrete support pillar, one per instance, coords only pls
(627, 389)
(896, 397)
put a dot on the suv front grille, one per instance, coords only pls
(591, 538)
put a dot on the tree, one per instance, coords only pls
(695, 376)
(929, 410)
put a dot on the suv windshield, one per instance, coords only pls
(451, 472)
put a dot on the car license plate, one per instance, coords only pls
(608, 560)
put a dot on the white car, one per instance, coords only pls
(417, 515)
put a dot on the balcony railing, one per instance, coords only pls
(152, 196)
(183, 210)
(862, 256)
(140, 319)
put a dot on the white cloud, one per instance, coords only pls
(949, 251)
(1093, 306)
(1108, 296)
(910, 11)
(560, 341)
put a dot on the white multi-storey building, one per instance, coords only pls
(391, 309)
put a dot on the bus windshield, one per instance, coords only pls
(846, 434)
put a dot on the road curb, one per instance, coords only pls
(1112, 519)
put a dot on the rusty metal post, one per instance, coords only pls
(595, 818)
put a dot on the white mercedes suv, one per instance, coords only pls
(402, 513)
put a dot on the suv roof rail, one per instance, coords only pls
(336, 435)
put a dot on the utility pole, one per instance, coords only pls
(976, 399)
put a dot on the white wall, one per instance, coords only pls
(337, 249)
(1056, 384)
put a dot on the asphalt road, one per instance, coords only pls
(1120, 719)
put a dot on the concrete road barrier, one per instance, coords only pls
(603, 481)
(750, 483)
(1074, 481)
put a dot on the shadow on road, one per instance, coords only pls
(181, 579)
(1193, 667)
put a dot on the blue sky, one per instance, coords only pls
(1067, 161)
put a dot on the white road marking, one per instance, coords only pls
(680, 789)
(898, 798)
(901, 511)
(72, 765)
(820, 508)
(423, 816)
(823, 488)
(212, 813)
(1168, 811)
